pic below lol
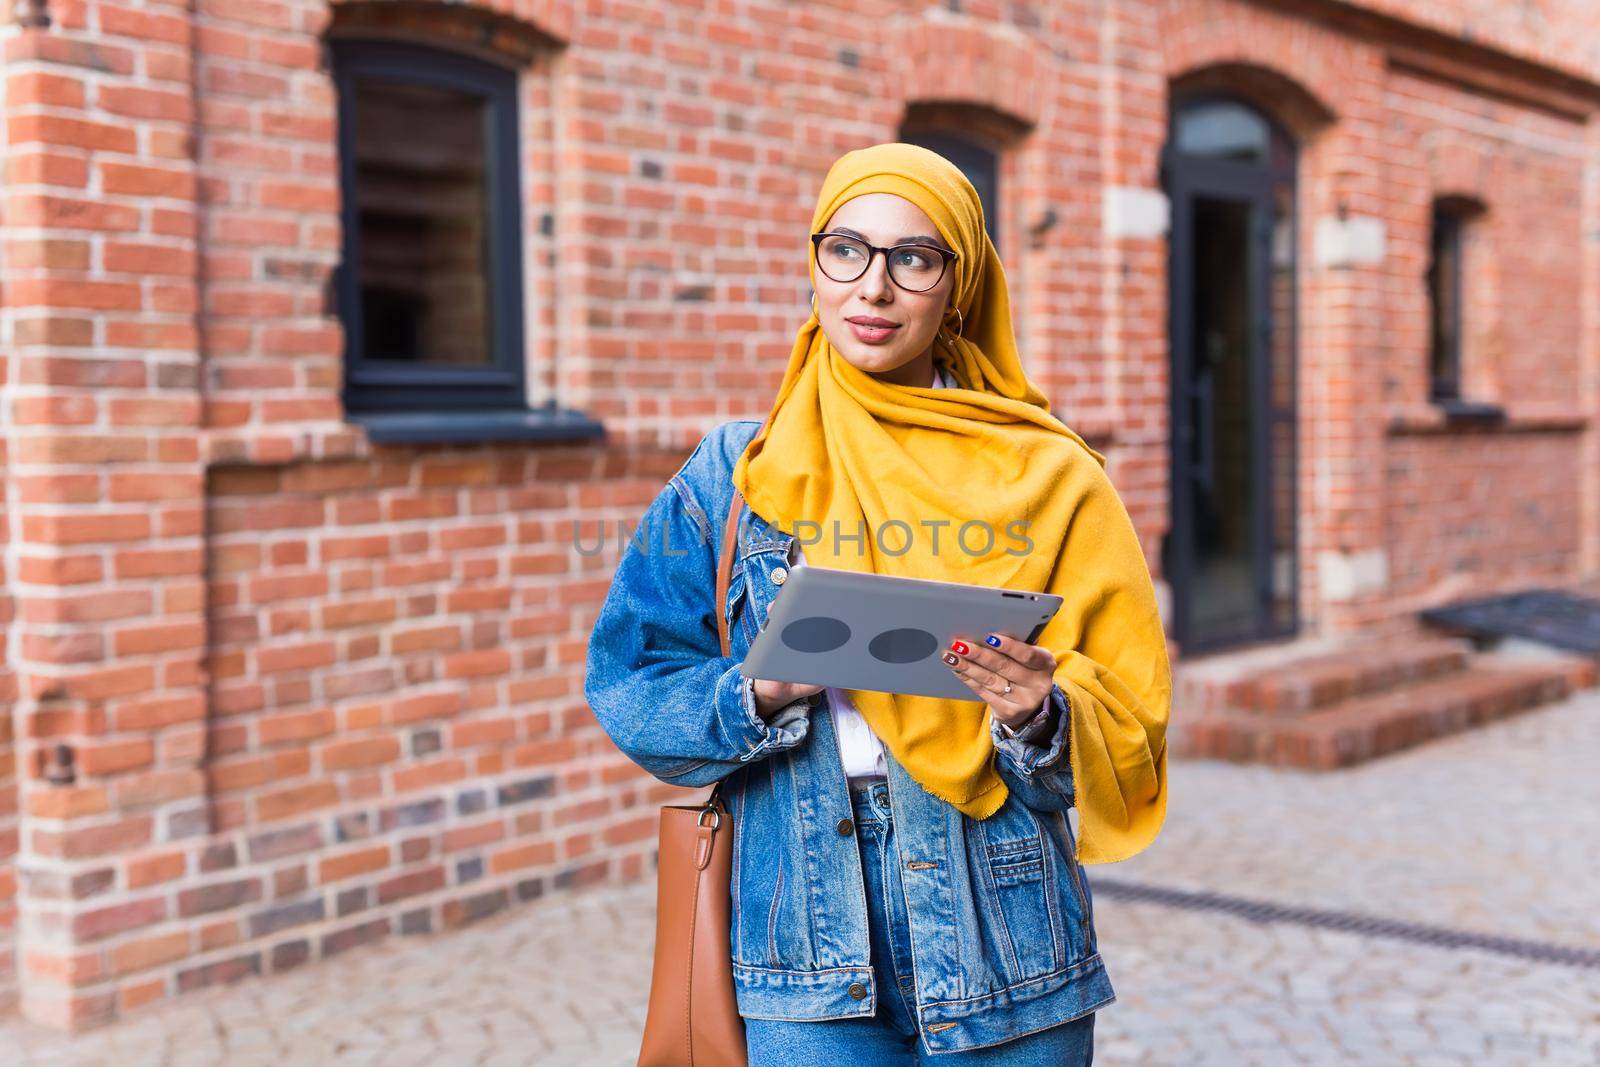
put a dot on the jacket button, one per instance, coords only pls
(779, 575)
(846, 827)
(858, 991)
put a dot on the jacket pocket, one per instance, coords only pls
(1017, 914)
(774, 957)
(1067, 858)
(1016, 862)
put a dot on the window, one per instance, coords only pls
(1444, 298)
(979, 163)
(430, 288)
(1225, 129)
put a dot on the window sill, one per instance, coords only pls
(1456, 410)
(522, 424)
(1421, 417)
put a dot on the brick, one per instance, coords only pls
(406, 885)
(220, 934)
(587, 874)
(413, 813)
(147, 715)
(146, 952)
(96, 923)
(221, 972)
(348, 864)
(463, 837)
(86, 841)
(350, 937)
(159, 787)
(285, 916)
(290, 954)
(457, 913)
(290, 881)
(48, 89)
(482, 732)
(531, 854)
(287, 841)
(67, 802)
(153, 869)
(134, 995)
(296, 800)
(350, 901)
(219, 896)
(524, 790)
(359, 752)
(429, 774)
(217, 857)
(295, 726)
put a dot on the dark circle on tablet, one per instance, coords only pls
(816, 633)
(905, 645)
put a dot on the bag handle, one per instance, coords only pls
(730, 545)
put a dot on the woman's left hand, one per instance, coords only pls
(988, 667)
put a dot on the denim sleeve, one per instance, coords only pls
(655, 675)
(1040, 773)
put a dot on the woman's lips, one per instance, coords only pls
(872, 335)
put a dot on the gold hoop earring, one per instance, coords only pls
(960, 326)
(814, 307)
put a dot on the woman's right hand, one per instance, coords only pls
(770, 696)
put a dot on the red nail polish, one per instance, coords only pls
(960, 646)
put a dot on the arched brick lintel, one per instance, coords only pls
(1278, 63)
(1303, 112)
(1459, 171)
(975, 68)
(529, 29)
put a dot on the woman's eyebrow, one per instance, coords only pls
(912, 239)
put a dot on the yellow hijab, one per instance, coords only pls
(842, 446)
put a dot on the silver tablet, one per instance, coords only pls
(882, 632)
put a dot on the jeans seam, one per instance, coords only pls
(888, 924)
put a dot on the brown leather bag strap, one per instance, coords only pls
(730, 545)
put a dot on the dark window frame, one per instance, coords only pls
(1447, 236)
(1272, 182)
(407, 385)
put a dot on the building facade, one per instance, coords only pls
(339, 339)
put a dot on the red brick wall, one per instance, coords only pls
(322, 692)
(1557, 32)
(102, 419)
(1468, 511)
(8, 778)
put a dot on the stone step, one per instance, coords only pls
(1299, 682)
(1364, 728)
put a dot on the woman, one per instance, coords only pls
(906, 883)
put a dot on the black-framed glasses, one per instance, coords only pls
(915, 268)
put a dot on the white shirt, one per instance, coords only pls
(859, 747)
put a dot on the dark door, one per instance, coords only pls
(1230, 552)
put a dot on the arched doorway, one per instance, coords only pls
(1229, 171)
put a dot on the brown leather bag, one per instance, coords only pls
(693, 1019)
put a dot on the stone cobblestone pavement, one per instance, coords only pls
(1492, 832)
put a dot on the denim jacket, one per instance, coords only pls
(1001, 917)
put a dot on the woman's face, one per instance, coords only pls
(902, 351)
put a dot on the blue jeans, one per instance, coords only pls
(889, 1038)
